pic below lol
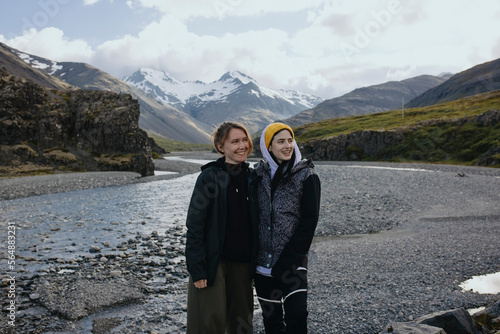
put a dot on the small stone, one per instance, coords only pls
(115, 273)
(34, 296)
(95, 249)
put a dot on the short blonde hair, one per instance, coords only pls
(221, 133)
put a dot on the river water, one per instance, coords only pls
(65, 225)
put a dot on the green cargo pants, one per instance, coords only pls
(226, 306)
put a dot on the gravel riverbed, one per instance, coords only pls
(393, 243)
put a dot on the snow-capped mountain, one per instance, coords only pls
(235, 96)
(155, 117)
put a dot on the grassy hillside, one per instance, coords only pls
(387, 120)
(443, 133)
(175, 146)
(447, 143)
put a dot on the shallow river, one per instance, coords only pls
(65, 225)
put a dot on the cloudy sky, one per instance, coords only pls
(326, 48)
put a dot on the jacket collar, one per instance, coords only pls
(263, 166)
(221, 164)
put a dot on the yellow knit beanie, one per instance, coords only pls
(272, 129)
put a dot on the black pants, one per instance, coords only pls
(288, 294)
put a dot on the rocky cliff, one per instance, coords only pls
(155, 117)
(465, 139)
(43, 130)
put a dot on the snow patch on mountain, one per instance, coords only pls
(169, 90)
(53, 66)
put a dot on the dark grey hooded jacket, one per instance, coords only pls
(288, 219)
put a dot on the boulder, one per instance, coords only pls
(457, 321)
(489, 318)
(412, 328)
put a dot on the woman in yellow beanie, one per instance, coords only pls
(288, 196)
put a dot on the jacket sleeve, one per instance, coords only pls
(294, 254)
(198, 211)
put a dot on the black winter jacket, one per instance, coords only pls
(206, 220)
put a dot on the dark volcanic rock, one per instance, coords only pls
(70, 130)
(351, 147)
(457, 321)
(489, 318)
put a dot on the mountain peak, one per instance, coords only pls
(157, 76)
(445, 75)
(242, 77)
(234, 95)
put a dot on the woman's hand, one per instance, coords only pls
(202, 283)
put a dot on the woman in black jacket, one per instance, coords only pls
(288, 200)
(220, 239)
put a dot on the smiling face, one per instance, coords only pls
(282, 146)
(236, 146)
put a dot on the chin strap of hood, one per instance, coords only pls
(265, 152)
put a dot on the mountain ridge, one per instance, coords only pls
(367, 100)
(229, 82)
(157, 118)
(18, 67)
(238, 97)
(234, 96)
(475, 80)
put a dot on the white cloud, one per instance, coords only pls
(222, 8)
(50, 43)
(90, 2)
(336, 46)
